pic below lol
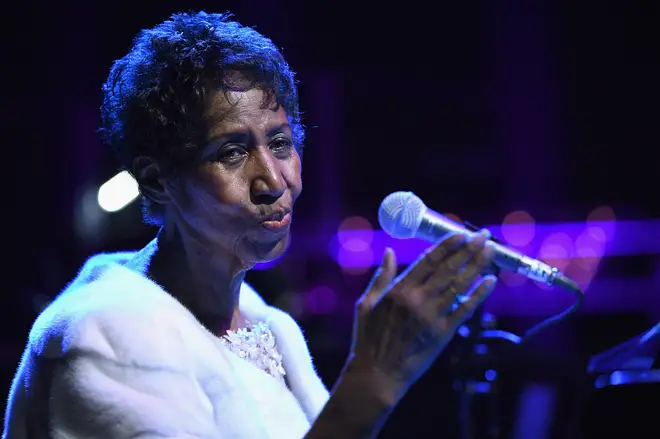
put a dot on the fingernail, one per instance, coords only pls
(492, 280)
(386, 252)
(486, 232)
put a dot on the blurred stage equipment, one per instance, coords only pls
(475, 366)
(623, 390)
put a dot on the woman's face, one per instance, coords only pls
(239, 199)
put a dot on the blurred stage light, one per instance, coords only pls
(583, 274)
(556, 250)
(356, 242)
(354, 253)
(603, 218)
(90, 221)
(490, 375)
(356, 262)
(632, 238)
(589, 248)
(118, 192)
(518, 228)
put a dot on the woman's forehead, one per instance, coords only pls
(251, 108)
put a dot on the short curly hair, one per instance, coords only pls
(155, 98)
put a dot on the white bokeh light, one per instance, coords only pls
(118, 192)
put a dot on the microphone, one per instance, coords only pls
(403, 215)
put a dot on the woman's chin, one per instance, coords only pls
(268, 251)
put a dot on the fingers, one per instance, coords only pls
(477, 265)
(431, 259)
(454, 272)
(380, 281)
(479, 293)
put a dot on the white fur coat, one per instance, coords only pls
(115, 356)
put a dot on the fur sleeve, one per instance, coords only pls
(116, 380)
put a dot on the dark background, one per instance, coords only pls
(481, 108)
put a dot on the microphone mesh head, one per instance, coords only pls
(400, 214)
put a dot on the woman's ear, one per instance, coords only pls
(148, 174)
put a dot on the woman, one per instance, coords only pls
(169, 341)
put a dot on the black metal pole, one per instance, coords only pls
(476, 381)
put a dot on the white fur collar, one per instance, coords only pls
(106, 270)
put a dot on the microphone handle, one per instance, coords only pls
(434, 226)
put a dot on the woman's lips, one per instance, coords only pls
(277, 225)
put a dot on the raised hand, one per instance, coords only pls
(403, 324)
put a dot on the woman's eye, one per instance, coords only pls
(230, 155)
(281, 145)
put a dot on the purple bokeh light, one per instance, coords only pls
(631, 238)
(576, 248)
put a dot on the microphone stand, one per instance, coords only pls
(476, 380)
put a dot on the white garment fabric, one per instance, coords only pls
(116, 357)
